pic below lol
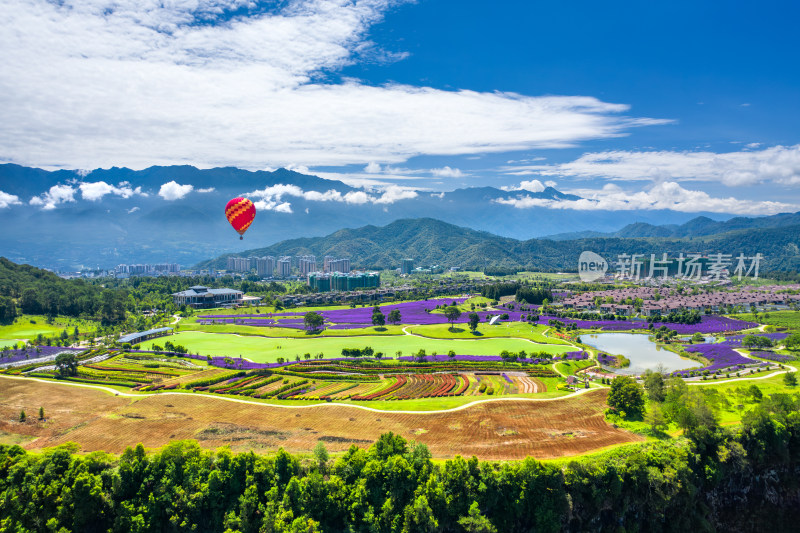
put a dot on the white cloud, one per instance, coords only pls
(133, 209)
(447, 172)
(122, 82)
(372, 168)
(7, 200)
(271, 205)
(357, 197)
(437, 195)
(271, 198)
(664, 195)
(395, 193)
(206, 190)
(778, 164)
(172, 190)
(97, 190)
(58, 194)
(550, 183)
(530, 186)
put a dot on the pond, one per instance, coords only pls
(642, 352)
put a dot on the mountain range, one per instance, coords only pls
(69, 219)
(433, 242)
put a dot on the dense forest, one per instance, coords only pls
(28, 289)
(742, 479)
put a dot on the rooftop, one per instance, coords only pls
(134, 337)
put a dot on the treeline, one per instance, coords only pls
(792, 276)
(678, 317)
(532, 294)
(716, 479)
(27, 289)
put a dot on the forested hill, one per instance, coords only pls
(429, 242)
(27, 289)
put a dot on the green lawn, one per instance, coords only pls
(570, 367)
(264, 349)
(785, 319)
(23, 329)
(288, 332)
(506, 329)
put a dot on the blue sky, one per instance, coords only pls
(690, 106)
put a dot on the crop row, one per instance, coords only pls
(105, 368)
(400, 381)
(327, 393)
(280, 391)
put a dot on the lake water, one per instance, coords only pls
(642, 352)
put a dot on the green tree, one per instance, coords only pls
(474, 320)
(654, 385)
(67, 364)
(378, 318)
(8, 310)
(793, 341)
(41, 413)
(790, 379)
(394, 316)
(475, 522)
(321, 455)
(313, 321)
(626, 396)
(754, 341)
(656, 419)
(452, 313)
(419, 517)
(22, 416)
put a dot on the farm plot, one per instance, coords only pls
(490, 431)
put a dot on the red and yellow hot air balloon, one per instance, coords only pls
(240, 213)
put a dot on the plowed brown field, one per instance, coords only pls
(493, 430)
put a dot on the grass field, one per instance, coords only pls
(506, 329)
(267, 350)
(23, 328)
(568, 368)
(192, 325)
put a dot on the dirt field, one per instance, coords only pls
(497, 430)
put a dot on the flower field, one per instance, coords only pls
(707, 324)
(32, 354)
(359, 380)
(772, 356)
(722, 358)
(355, 379)
(736, 340)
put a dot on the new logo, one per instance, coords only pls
(591, 266)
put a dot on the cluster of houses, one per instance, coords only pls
(442, 287)
(649, 301)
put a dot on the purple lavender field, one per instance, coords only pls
(421, 313)
(722, 357)
(33, 353)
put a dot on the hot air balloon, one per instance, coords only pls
(240, 213)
